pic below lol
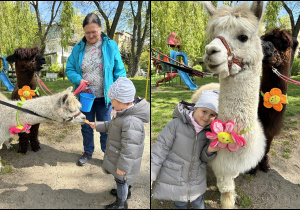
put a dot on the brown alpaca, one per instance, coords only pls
(277, 46)
(27, 62)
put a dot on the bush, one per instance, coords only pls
(198, 67)
(296, 67)
(55, 68)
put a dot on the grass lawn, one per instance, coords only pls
(61, 85)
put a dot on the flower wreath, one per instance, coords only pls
(224, 136)
(25, 93)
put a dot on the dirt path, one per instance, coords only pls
(50, 177)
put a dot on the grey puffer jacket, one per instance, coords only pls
(125, 140)
(179, 157)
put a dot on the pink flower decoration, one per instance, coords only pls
(224, 136)
(20, 129)
(101, 66)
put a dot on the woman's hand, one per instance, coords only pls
(87, 83)
(120, 172)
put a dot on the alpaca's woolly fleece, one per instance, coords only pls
(239, 92)
(58, 107)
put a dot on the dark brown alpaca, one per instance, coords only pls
(27, 62)
(277, 46)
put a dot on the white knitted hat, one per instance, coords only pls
(209, 99)
(122, 90)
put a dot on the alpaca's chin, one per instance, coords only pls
(218, 68)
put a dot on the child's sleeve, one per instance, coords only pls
(207, 156)
(102, 126)
(161, 148)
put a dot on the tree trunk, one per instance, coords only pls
(111, 30)
(138, 37)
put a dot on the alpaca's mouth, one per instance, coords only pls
(212, 66)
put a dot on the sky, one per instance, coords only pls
(46, 13)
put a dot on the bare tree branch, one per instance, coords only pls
(116, 19)
(103, 15)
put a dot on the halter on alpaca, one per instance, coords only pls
(230, 53)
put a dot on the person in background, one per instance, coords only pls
(96, 61)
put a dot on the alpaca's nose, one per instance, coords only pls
(211, 49)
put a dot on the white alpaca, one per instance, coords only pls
(59, 107)
(239, 88)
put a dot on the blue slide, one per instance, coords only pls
(4, 79)
(184, 76)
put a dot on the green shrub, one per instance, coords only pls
(54, 68)
(198, 67)
(296, 67)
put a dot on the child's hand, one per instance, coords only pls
(92, 124)
(213, 149)
(120, 172)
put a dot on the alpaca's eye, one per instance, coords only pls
(243, 38)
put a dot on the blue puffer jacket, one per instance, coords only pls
(113, 66)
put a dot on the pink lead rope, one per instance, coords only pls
(285, 78)
(41, 84)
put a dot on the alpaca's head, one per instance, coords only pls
(66, 107)
(271, 55)
(278, 46)
(27, 59)
(238, 25)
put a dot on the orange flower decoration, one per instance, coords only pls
(26, 93)
(274, 99)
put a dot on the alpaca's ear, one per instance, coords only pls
(11, 58)
(257, 8)
(63, 99)
(286, 39)
(69, 89)
(209, 7)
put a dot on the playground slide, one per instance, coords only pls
(6, 82)
(168, 78)
(184, 76)
(187, 80)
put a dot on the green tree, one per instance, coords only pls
(57, 13)
(65, 19)
(190, 26)
(270, 17)
(66, 33)
(284, 22)
(18, 26)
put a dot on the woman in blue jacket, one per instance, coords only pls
(95, 60)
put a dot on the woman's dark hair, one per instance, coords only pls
(91, 18)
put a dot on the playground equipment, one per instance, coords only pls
(3, 77)
(170, 65)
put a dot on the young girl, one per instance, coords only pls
(180, 154)
(125, 142)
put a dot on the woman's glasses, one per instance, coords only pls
(91, 32)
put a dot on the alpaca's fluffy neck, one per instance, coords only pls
(43, 106)
(238, 100)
